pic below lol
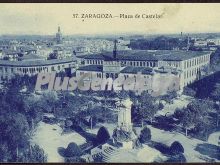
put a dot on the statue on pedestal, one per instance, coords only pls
(123, 135)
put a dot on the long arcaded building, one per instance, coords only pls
(10, 68)
(163, 70)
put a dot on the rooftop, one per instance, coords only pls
(96, 68)
(31, 56)
(135, 70)
(34, 62)
(11, 52)
(147, 55)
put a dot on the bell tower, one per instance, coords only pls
(59, 38)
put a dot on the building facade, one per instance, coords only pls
(169, 70)
(8, 69)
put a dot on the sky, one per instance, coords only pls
(43, 19)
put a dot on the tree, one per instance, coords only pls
(5, 155)
(134, 98)
(196, 113)
(145, 135)
(68, 123)
(123, 94)
(14, 134)
(160, 106)
(74, 159)
(34, 109)
(180, 158)
(189, 91)
(176, 148)
(187, 120)
(15, 112)
(48, 100)
(217, 112)
(72, 150)
(216, 92)
(52, 56)
(169, 96)
(33, 155)
(147, 107)
(14, 129)
(178, 113)
(102, 135)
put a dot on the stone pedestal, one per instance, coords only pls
(123, 135)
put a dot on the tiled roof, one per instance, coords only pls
(135, 70)
(31, 56)
(96, 68)
(145, 55)
(34, 63)
(10, 52)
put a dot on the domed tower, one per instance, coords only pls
(59, 38)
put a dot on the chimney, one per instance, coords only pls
(115, 49)
(188, 42)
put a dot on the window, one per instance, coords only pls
(98, 75)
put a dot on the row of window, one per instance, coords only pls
(191, 73)
(111, 75)
(187, 64)
(95, 62)
(131, 63)
(196, 61)
(140, 63)
(170, 63)
(33, 70)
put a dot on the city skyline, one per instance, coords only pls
(43, 19)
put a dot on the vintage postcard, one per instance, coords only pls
(109, 83)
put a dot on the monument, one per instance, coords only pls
(123, 135)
